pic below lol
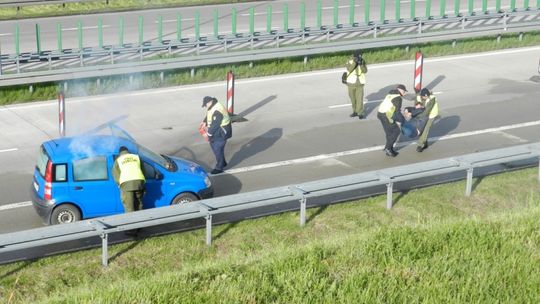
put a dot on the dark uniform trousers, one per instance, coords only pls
(218, 147)
(391, 130)
(131, 194)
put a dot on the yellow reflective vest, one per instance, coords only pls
(130, 168)
(388, 107)
(220, 108)
(356, 74)
(435, 110)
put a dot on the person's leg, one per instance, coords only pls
(127, 200)
(425, 133)
(387, 131)
(360, 99)
(138, 200)
(352, 95)
(394, 134)
(218, 147)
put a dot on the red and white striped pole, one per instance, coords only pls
(230, 93)
(418, 67)
(61, 114)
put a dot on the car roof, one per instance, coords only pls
(78, 147)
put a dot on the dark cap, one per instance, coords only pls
(401, 86)
(425, 92)
(207, 99)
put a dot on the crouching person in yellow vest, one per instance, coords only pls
(129, 177)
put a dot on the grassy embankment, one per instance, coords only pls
(152, 80)
(99, 6)
(434, 246)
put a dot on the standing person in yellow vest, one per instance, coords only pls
(128, 175)
(431, 110)
(356, 79)
(218, 130)
(389, 113)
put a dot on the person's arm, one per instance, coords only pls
(351, 65)
(116, 173)
(216, 123)
(363, 67)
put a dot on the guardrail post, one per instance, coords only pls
(17, 40)
(121, 32)
(367, 8)
(234, 17)
(140, 21)
(336, 12)
(498, 6)
(428, 9)
(471, 7)
(319, 14)
(197, 26)
(251, 20)
(160, 29)
(209, 229)
(413, 9)
(456, 8)
(383, 11)
(59, 36)
(269, 19)
(104, 250)
(389, 192)
(484, 6)
(178, 27)
(100, 32)
(469, 182)
(303, 15)
(38, 38)
(513, 5)
(442, 10)
(285, 18)
(303, 203)
(351, 12)
(216, 23)
(80, 34)
(398, 10)
(526, 4)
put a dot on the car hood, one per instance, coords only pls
(189, 167)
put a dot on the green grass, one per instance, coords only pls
(88, 87)
(434, 246)
(49, 10)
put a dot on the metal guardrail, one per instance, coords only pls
(104, 226)
(9, 3)
(228, 57)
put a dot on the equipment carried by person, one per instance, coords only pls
(202, 130)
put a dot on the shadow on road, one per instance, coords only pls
(256, 145)
(256, 106)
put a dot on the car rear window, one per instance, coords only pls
(90, 169)
(42, 160)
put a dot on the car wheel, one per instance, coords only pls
(184, 198)
(65, 214)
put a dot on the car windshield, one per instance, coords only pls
(159, 159)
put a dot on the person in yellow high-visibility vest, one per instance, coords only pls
(356, 79)
(389, 113)
(431, 110)
(218, 130)
(129, 177)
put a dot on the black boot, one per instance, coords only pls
(390, 152)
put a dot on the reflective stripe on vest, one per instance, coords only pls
(130, 168)
(221, 109)
(356, 73)
(388, 107)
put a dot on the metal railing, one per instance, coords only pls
(102, 227)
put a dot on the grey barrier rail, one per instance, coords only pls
(205, 209)
(9, 3)
(251, 55)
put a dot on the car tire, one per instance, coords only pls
(184, 198)
(65, 214)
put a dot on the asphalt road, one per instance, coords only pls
(111, 21)
(298, 126)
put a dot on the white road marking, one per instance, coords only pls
(367, 101)
(512, 137)
(375, 148)
(337, 154)
(9, 150)
(15, 205)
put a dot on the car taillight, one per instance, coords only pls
(48, 181)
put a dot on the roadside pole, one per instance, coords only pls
(61, 114)
(418, 69)
(230, 99)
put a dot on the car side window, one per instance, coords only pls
(149, 171)
(60, 172)
(90, 169)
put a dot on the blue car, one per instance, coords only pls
(73, 178)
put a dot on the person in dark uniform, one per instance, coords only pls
(389, 113)
(218, 130)
(129, 177)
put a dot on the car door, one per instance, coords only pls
(93, 188)
(154, 195)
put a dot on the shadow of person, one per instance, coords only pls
(256, 145)
(444, 125)
(378, 96)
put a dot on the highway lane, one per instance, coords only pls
(111, 22)
(298, 127)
